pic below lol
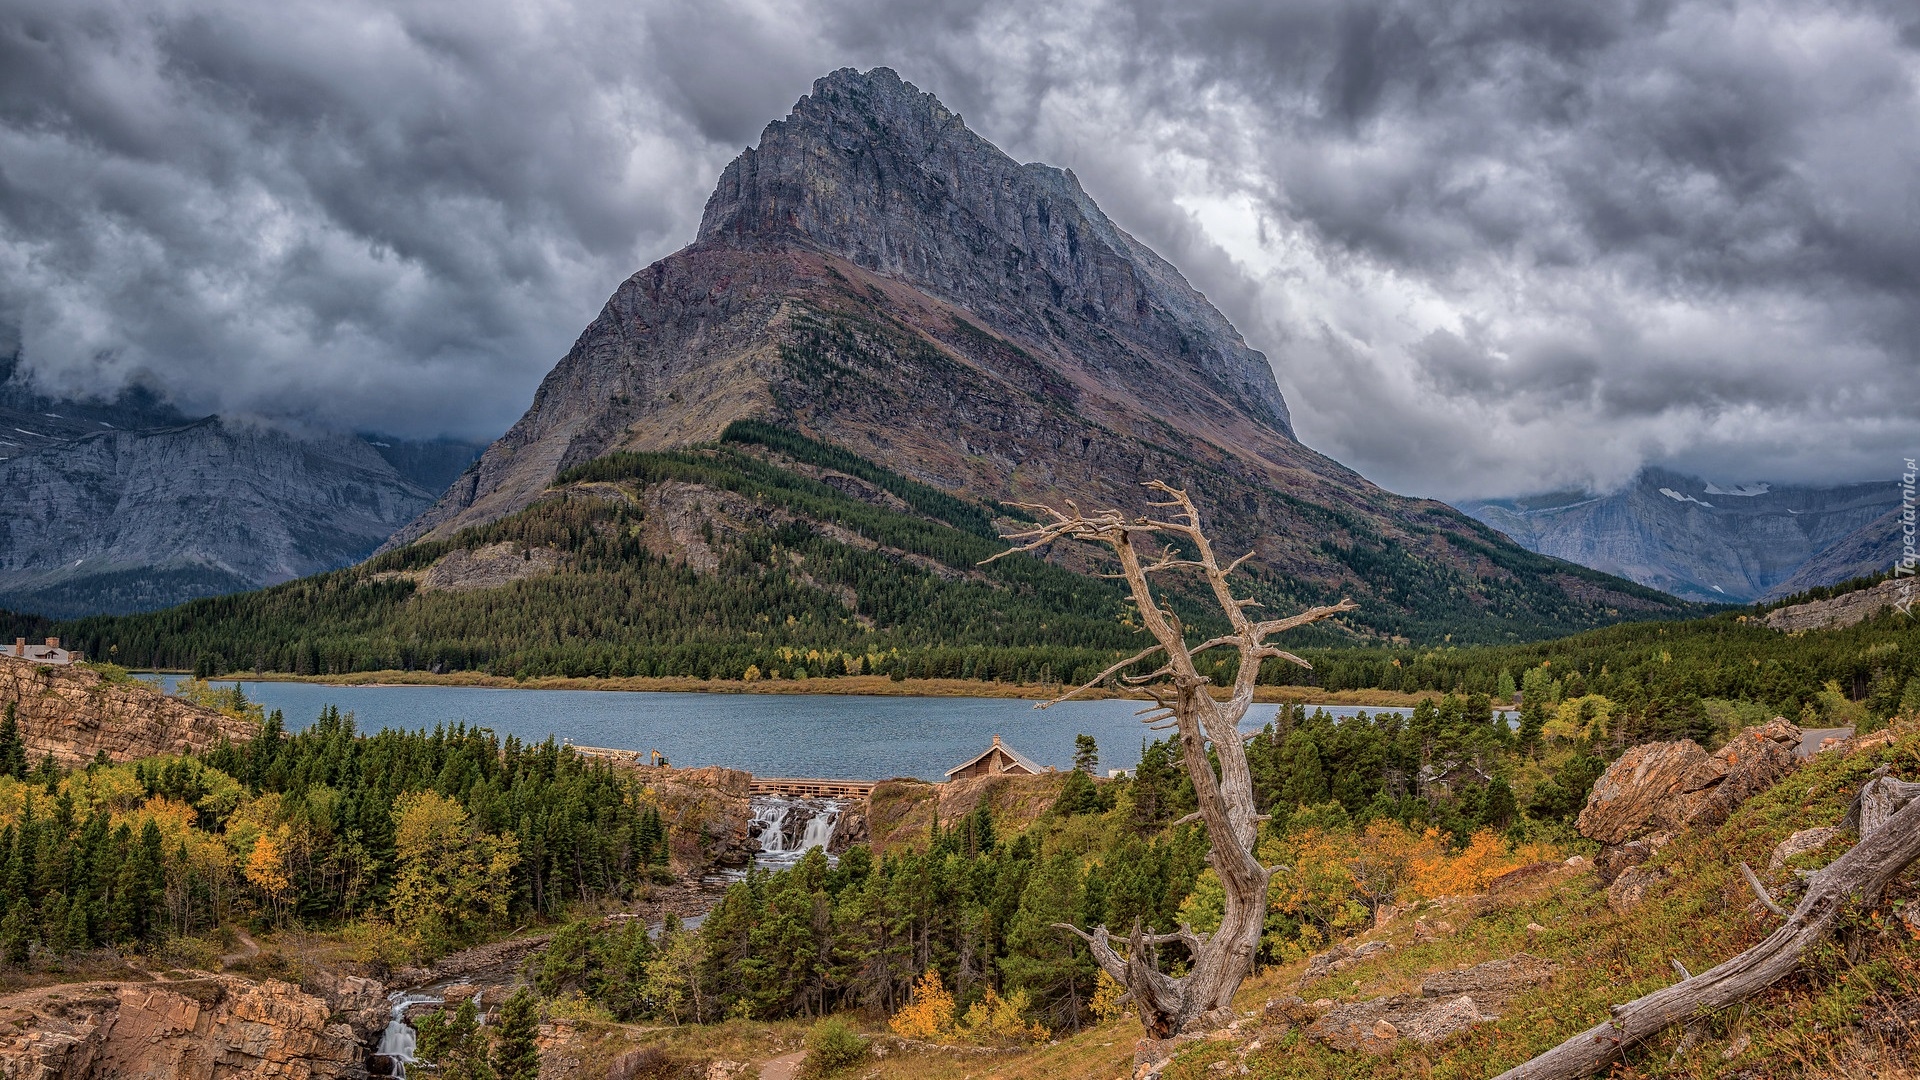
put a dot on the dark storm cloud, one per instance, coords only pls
(1490, 247)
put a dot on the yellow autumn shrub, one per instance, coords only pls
(928, 1014)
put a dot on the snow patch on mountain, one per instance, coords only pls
(1678, 497)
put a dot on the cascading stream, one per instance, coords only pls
(398, 1040)
(776, 817)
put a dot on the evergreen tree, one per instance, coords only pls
(1499, 808)
(515, 1057)
(1086, 754)
(16, 931)
(1533, 720)
(13, 752)
(1078, 795)
(1053, 966)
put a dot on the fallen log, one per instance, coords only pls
(1862, 873)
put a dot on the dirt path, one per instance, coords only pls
(784, 1067)
(249, 949)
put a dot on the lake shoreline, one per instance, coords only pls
(845, 685)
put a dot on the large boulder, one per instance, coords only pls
(1668, 786)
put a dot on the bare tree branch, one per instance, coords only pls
(1759, 890)
(1102, 677)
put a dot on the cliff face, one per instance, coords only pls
(877, 276)
(75, 713)
(184, 1029)
(130, 506)
(1846, 609)
(1685, 536)
(1871, 549)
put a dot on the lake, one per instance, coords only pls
(812, 735)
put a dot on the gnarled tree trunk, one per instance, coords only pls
(1219, 961)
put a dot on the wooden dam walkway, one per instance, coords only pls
(798, 787)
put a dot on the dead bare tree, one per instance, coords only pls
(1887, 813)
(1219, 961)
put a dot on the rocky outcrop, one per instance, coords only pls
(1632, 888)
(902, 812)
(213, 1026)
(358, 1002)
(1492, 982)
(1449, 1002)
(1683, 535)
(706, 812)
(1843, 610)
(1375, 1025)
(490, 567)
(1669, 786)
(74, 713)
(1340, 958)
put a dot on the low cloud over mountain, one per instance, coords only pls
(1489, 249)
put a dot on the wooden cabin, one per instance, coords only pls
(996, 760)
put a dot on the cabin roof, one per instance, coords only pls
(1019, 758)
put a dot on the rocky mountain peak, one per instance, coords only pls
(869, 168)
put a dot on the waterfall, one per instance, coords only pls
(397, 1041)
(775, 820)
(820, 827)
(770, 823)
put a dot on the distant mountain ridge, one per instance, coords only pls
(130, 505)
(1731, 543)
(876, 276)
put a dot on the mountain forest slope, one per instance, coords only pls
(762, 555)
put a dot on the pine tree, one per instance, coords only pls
(515, 1057)
(78, 935)
(15, 932)
(1533, 720)
(1086, 754)
(1043, 960)
(13, 752)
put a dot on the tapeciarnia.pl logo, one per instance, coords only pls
(1904, 569)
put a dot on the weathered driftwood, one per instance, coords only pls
(1858, 876)
(1219, 961)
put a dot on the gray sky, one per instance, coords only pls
(1490, 247)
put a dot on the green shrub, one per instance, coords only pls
(832, 1046)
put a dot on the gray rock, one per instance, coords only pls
(1800, 843)
(1632, 888)
(1490, 981)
